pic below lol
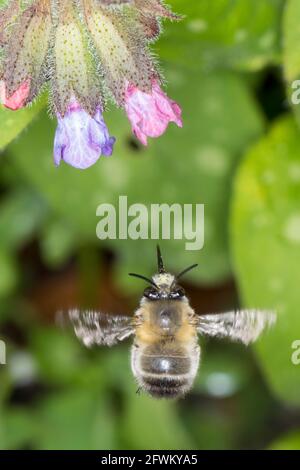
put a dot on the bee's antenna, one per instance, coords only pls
(186, 270)
(160, 263)
(140, 276)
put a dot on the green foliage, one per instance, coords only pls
(58, 355)
(291, 49)
(224, 373)
(57, 242)
(266, 237)
(203, 154)
(241, 34)
(13, 123)
(18, 428)
(153, 435)
(291, 58)
(76, 419)
(289, 442)
(56, 394)
(21, 213)
(9, 275)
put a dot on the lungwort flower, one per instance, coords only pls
(150, 112)
(87, 52)
(80, 139)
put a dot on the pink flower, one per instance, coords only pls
(150, 113)
(17, 99)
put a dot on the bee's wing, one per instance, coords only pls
(96, 328)
(241, 325)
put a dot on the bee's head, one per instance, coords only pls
(164, 286)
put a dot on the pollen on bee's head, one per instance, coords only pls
(163, 279)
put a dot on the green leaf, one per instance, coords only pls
(21, 212)
(57, 242)
(241, 33)
(265, 231)
(117, 370)
(8, 273)
(291, 441)
(291, 32)
(76, 419)
(189, 165)
(291, 52)
(14, 122)
(58, 355)
(19, 428)
(223, 372)
(141, 427)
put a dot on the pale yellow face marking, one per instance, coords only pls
(163, 279)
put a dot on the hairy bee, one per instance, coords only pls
(165, 353)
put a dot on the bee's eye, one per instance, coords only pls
(177, 293)
(151, 293)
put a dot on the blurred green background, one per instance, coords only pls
(230, 64)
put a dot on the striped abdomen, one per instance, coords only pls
(165, 370)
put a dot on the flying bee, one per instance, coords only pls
(165, 353)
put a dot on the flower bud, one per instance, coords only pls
(26, 50)
(73, 71)
(118, 41)
(17, 99)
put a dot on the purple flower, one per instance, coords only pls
(81, 139)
